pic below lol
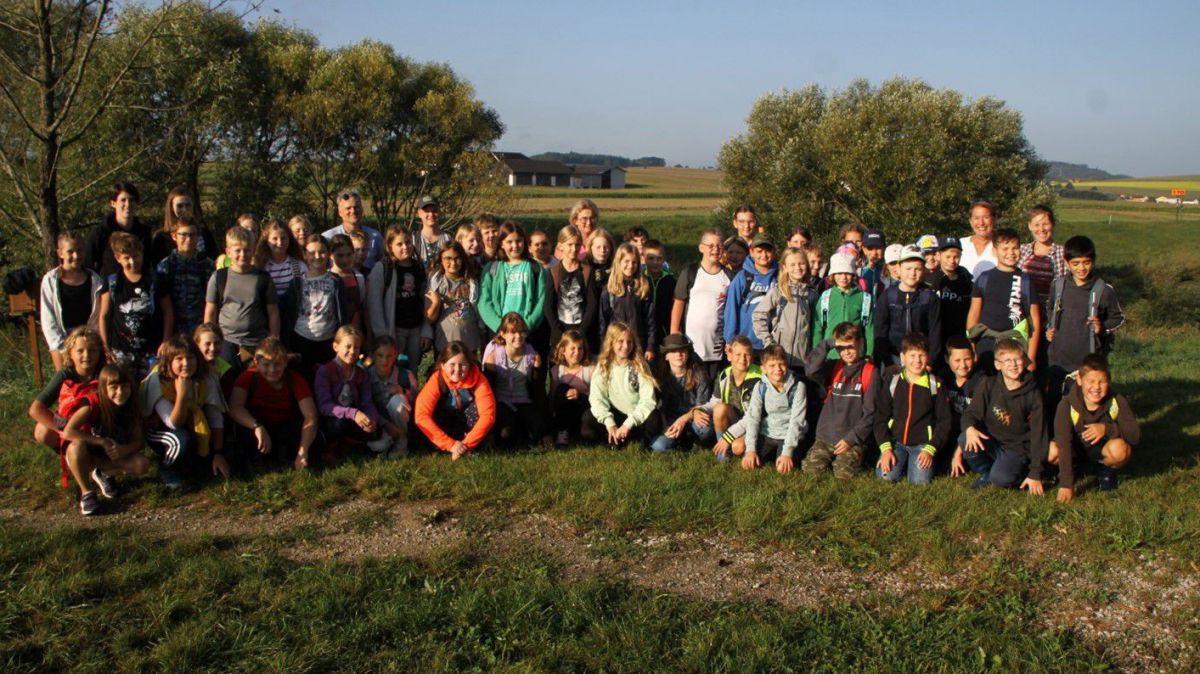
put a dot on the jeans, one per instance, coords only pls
(996, 464)
(906, 461)
(704, 436)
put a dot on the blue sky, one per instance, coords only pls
(1109, 84)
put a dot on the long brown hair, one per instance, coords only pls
(117, 422)
(262, 251)
(180, 345)
(169, 219)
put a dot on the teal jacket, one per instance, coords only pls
(835, 307)
(494, 287)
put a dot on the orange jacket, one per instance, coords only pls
(431, 394)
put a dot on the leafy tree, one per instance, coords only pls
(903, 156)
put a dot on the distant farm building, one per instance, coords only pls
(521, 170)
(1168, 200)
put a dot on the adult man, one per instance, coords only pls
(978, 255)
(350, 210)
(699, 306)
(429, 240)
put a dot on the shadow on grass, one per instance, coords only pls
(1169, 410)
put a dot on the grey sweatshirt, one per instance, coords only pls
(779, 415)
(778, 320)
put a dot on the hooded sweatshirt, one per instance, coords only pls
(1015, 418)
(954, 295)
(743, 297)
(913, 415)
(624, 389)
(849, 408)
(776, 414)
(778, 320)
(725, 391)
(899, 313)
(1067, 429)
(835, 307)
(472, 391)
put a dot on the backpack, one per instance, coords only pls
(839, 376)
(791, 392)
(1096, 343)
(1113, 410)
(287, 382)
(693, 270)
(933, 384)
(864, 313)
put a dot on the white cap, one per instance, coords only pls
(911, 253)
(841, 263)
(891, 254)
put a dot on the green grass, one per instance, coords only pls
(1154, 186)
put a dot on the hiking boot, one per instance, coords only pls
(108, 489)
(1106, 477)
(170, 478)
(88, 503)
(399, 448)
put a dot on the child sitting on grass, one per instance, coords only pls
(731, 395)
(348, 415)
(513, 369)
(845, 422)
(685, 387)
(912, 418)
(775, 420)
(393, 389)
(1094, 423)
(276, 406)
(209, 341)
(456, 409)
(570, 384)
(622, 391)
(962, 380)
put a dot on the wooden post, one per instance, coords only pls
(25, 305)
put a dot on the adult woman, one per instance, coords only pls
(124, 201)
(978, 255)
(585, 215)
(1042, 259)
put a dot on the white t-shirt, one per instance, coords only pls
(976, 263)
(705, 324)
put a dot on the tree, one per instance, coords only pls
(904, 156)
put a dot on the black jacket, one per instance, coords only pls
(898, 314)
(100, 256)
(914, 415)
(1016, 419)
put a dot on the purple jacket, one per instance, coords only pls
(360, 389)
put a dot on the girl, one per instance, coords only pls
(72, 387)
(276, 406)
(392, 390)
(599, 249)
(799, 238)
(685, 387)
(179, 204)
(784, 316)
(209, 340)
(396, 297)
(348, 414)
(185, 412)
(626, 298)
(247, 222)
(569, 304)
(453, 299)
(70, 296)
(301, 228)
(514, 284)
(341, 252)
(314, 308)
(456, 409)
(512, 366)
(622, 391)
(467, 235)
(570, 383)
(281, 256)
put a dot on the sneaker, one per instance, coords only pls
(170, 479)
(562, 438)
(399, 449)
(88, 503)
(980, 483)
(1106, 477)
(108, 489)
(380, 445)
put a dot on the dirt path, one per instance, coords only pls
(1141, 618)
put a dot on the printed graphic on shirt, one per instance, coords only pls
(570, 302)
(1002, 415)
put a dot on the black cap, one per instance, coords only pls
(949, 242)
(427, 201)
(874, 238)
(761, 239)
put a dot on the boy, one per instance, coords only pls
(429, 239)
(961, 379)
(1084, 314)
(489, 231)
(872, 272)
(1004, 302)
(638, 236)
(912, 417)
(906, 308)
(891, 258)
(698, 310)
(241, 300)
(70, 296)
(731, 395)
(775, 420)
(134, 311)
(361, 243)
(1095, 423)
(341, 253)
(540, 248)
(843, 302)
(184, 275)
(953, 285)
(757, 276)
(1005, 427)
(662, 286)
(849, 409)
(929, 246)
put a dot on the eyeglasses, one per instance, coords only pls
(348, 195)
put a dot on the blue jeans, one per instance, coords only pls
(1005, 468)
(906, 462)
(704, 436)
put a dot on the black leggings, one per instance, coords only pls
(520, 425)
(575, 416)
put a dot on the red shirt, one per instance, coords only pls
(272, 405)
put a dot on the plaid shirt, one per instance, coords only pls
(185, 280)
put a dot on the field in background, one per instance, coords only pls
(1151, 187)
(648, 190)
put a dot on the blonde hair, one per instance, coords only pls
(560, 350)
(608, 352)
(597, 233)
(239, 236)
(569, 234)
(785, 280)
(616, 277)
(301, 220)
(346, 332)
(583, 205)
(85, 333)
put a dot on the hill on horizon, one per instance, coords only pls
(573, 157)
(1061, 170)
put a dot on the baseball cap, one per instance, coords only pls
(428, 201)
(911, 253)
(874, 239)
(892, 253)
(928, 243)
(761, 240)
(949, 242)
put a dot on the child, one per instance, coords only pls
(953, 285)
(784, 316)
(177, 206)
(276, 405)
(343, 390)
(800, 238)
(185, 412)
(622, 390)
(241, 300)
(638, 236)
(540, 249)
(1005, 427)
(392, 389)
(105, 438)
(844, 302)
(845, 421)
(626, 298)
(72, 387)
(912, 415)
(662, 286)
(961, 380)
(343, 256)
(685, 387)
(135, 312)
(489, 232)
(209, 342)
(514, 284)
(249, 223)
(699, 303)
(929, 245)
(570, 384)
(891, 258)
(281, 256)
(747, 290)
(570, 304)
(599, 247)
(70, 296)
(906, 308)
(1095, 423)
(730, 397)
(467, 235)
(456, 408)
(775, 420)
(361, 242)
(454, 300)
(396, 297)
(1004, 302)
(512, 368)
(315, 308)
(736, 252)
(301, 228)
(184, 274)
(430, 239)
(1084, 314)
(874, 269)
(816, 265)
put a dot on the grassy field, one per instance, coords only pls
(1153, 187)
(941, 578)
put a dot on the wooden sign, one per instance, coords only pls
(1178, 193)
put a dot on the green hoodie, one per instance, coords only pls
(835, 307)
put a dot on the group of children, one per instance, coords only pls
(294, 348)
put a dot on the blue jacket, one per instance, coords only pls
(745, 292)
